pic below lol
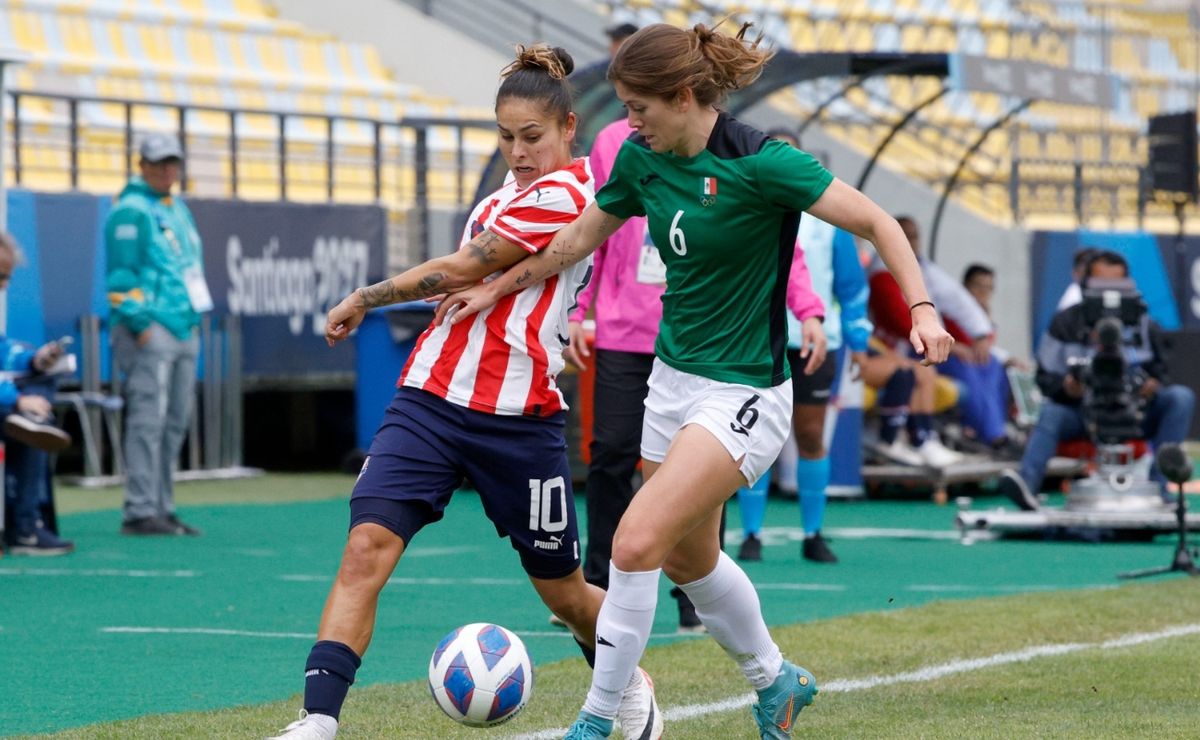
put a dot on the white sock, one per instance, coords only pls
(728, 605)
(624, 626)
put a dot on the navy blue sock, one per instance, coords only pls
(920, 428)
(893, 404)
(328, 675)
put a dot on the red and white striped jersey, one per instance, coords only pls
(504, 360)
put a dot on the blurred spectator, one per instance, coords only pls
(1168, 408)
(1074, 293)
(157, 290)
(617, 35)
(984, 407)
(964, 319)
(29, 436)
(980, 282)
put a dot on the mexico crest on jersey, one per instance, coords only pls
(708, 191)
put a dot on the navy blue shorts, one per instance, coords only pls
(816, 389)
(426, 447)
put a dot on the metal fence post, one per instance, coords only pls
(213, 372)
(73, 139)
(90, 381)
(232, 434)
(421, 171)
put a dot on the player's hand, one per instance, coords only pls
(577, 350)
(46, 355)
(458, 306)
(1149, 388)
(34, 406)
(981, 350)
(344, 318)
(858, 361)
(929, 337)
(814, 344)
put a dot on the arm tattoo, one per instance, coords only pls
(386, 292)
(483, 247)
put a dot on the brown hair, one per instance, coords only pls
(663, 60)
(539, 73)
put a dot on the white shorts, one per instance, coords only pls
(752, 423)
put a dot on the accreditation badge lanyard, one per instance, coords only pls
(193, 276)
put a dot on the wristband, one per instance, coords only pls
(922, 303)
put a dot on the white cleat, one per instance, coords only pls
(638, 714)
(309, 727)
(937, 455)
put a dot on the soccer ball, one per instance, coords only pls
(480, 675)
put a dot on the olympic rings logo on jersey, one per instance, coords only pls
(708, 191)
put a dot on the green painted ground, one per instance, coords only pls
(128, 627)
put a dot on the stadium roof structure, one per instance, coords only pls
(1019, 82)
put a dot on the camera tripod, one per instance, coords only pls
(1177, 468)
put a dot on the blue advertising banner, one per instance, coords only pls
(280, 266)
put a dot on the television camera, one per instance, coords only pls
(1117, 499)
(1114, 327)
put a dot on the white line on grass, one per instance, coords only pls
(863, 533)
(204, 631)
(690, 711)
(102, 572)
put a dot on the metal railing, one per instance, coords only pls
(67, 142)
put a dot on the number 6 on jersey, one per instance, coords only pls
(675, 235)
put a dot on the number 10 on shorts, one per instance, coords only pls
(541, 504)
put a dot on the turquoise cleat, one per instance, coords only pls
(777, 707)
(588, 727)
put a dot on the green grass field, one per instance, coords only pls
(911, 635)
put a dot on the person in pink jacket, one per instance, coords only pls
(625, 294)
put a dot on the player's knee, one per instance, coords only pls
(809, 441)
(636, 549)
(368, 556)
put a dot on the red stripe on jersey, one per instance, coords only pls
(443, 367)
(541, 401)
(493, 360)
(416, 350)
(535, 215)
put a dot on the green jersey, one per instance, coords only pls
(725, 223)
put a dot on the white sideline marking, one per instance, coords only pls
(204, 631)
(780, 535)
(929, 673)
(799, 587)
(863, 533)
(93, 572)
